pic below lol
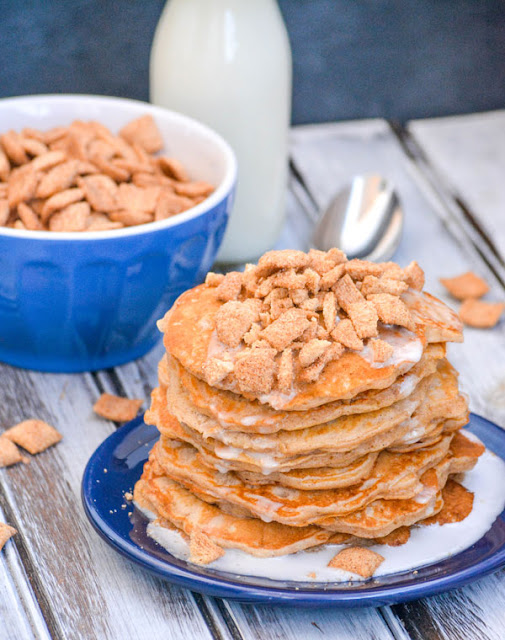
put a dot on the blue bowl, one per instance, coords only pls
(73, 302)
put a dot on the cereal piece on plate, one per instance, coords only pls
(29, 218)
(298, 296)
(329, 310)
(100, 191)
(372, 284)
(331, 277)
(216, 369)
(9, 453)
(144, 132)
(279, 306)
(359, 269)
(233, 320)
(311, 351)
(360, 560)
(347, 293)
(392, 310)
(254, 370)
(11, 143)
(364, 317)
(170, 204)
(286, 328)
(381, 350)
(173, 169)
(6, 532)
(193, 189)
(23, 183)
(214, 279)
(253, 334)
(479, 314)
(58, 178)
(33, 435)
(116, 408)
(282, 259)
(312, 373)
(322, 262)
(4, 212)
(414, 276)
(285, 372)
(345, 333)
(48, 160)
(72, 218)
(60, 201)
(230, 286)
(467, 285)
(202, 550)
(312, 280)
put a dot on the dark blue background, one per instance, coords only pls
(352, 58)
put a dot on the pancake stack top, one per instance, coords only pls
(304, 401)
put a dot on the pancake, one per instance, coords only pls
(440, 390)
(189, 336)
(234, 412)
(299, 507)
(305, 401)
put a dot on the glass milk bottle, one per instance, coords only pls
(228, 64)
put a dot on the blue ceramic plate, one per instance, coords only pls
(117, 464)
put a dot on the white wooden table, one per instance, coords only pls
(59, 580)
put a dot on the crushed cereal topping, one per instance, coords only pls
(283, 320)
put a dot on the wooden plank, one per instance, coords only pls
(20, 617)
(260, 622)
(85, 589)
(468, 153)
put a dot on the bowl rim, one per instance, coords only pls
(218, 195)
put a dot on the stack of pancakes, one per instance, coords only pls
(305, 401)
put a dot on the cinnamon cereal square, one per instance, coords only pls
(479, 314)
(33, 435)
(364, 562)
(6, 532)
(116, 408)
(467, 285)
(9, 453)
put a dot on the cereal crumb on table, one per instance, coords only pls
(116, 408)
(6, 532)
(479, 314)
(33, 435)
(467, 285)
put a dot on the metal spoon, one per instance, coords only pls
(364, 219)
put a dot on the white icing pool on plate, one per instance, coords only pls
(425, 546)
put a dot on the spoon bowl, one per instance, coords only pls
(364, 219)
